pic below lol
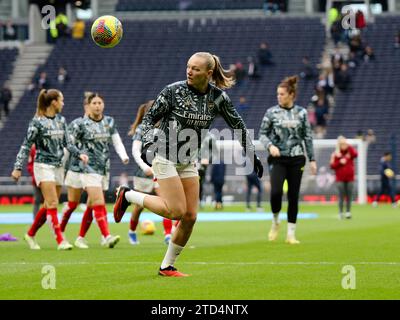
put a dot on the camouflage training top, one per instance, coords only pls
(183, 111)
(95, 138)
(287, 129)
(138, 136)
(50, 135)
(74, 163)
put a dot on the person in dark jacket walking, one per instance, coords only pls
(387, 176)
(218, 180)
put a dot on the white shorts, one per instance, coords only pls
(164, 168)
(73, 180)
(48, 173)
(92, 180)
(146, 185)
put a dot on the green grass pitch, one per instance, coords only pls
(226, 260)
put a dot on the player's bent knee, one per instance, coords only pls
(176, 212)
(189, 218)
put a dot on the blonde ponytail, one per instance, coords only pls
(221, 77)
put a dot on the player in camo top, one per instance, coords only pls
(95, 133)
(143, 180)
(184, 110)
(284, 129)
(73, 181)
(48, 131)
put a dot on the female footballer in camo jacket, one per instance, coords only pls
(284, 129)
(73, 181)
(73, 168)
(95, 133)
(48, 131)
(185, 109)
(143, 179)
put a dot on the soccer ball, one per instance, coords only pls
(389, 173)
(147, 227)
(107, 31)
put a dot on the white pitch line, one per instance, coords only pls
(289, 263)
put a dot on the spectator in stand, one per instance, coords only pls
(321, 114)
(387, 178)
(5, 98)
(243, 106)
(326, 82)
(62, 25)
(397, 40)
(78, 29)
(370, 136)
(37, 193)
(62, 76)
(337, 31)
(271, 6)
(312, 117)
(352, 62)
(336, 69)
(369, 54)
(240, 73)
(41, 82)
(356, 45)
(360, 20)
(283, 5)
(337, 56)
(333, 15)
(308, 70)
(9, 31)
(264, 55)
(342, 162)
(252, 70)
(343, 78)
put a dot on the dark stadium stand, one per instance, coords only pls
(7, 58)
(149, 5)
(373, 102)
(153, 54)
